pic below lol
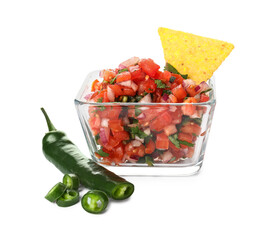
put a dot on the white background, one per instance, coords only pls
(48, 47)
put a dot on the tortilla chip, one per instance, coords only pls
(197, 56)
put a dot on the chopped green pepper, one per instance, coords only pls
(71, 181)
(69, 198)
(94, 201)
(56, 192)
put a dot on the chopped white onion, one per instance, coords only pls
(141, 116)
(130, 62)
(139, 139)
(146, 99)
(136, 143)
(105, 122)
(197, 114)
(125, 83)
(170, 129)
(147, 131)
(172, 108)
(187, 82)
(110, 94)
(166, 156)
(104, 135)
(203, 86)
(134, 86)
(125, 120)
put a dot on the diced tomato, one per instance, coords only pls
(157, 95)
(177, 152)
(176, 115)
(96, 85)
(191, 128)
(185, 137)
(151, 114)
(162, 141)
(108, 74)
(94, 123)
(179, 92)
(101, 97)
(135, 151)
(116, 125)
(160, 122)
(204, 98)
(178, 79)
(115, 155)
(121, 136)
(172, 98)
(128, 91)
(170, 129)
(137, 74)
(191, 90)
(112, 112)
(117, 90)
(111, 143)
(149, 67)
(189, 109)
(164, 76)
(148, 86)
(124, 76)
(190, 152)
(150, 147)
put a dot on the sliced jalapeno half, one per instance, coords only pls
(56, 192)
(71, 181)
(69, 198)
(94, 201)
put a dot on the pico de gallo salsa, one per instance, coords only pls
(137, 133)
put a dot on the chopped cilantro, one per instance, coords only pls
(160, 84)
(167, 91)
(184, 76)
(141, 160)
(99, 100)
(149, 160)
(206, 90)
(174, 139)
(138, 98)
(135, 131)
(170, 68)
(102, 153)
(137, 111)
(172, 159)
(113, 80)
(172, 79)
(122, 70)
(101, 108)
(198, 121)
(148, 138)
(186, 143)
(97, 137)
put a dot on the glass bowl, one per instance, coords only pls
(146, 139)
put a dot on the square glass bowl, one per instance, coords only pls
(124, 137)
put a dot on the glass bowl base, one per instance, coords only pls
(156, 171)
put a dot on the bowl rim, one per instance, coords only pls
(89, 78)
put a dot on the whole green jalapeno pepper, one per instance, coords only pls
(66, 156)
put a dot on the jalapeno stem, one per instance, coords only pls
(49, 123)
